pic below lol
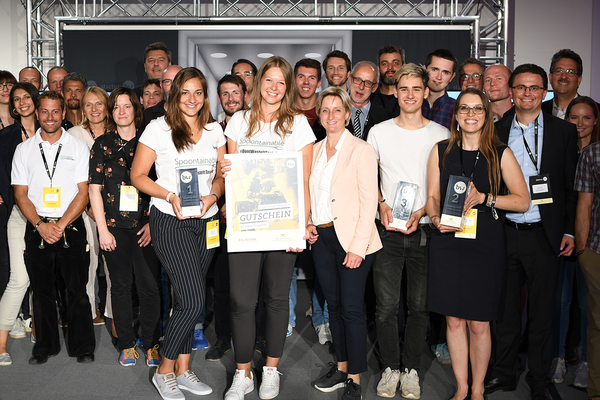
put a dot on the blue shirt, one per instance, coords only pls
(515, 142)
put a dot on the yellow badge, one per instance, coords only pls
(212, 234)
(469, 225)
(51, 198)
(129, 198)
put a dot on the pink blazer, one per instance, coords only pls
(354, 195)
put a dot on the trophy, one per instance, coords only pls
(403, 204)
(456, 194)
(189, 192)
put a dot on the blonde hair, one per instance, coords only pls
(103, 96)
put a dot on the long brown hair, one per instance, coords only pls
(287, 110)
(488, 140)
(595, 136)
(103, 97)
(181, 132)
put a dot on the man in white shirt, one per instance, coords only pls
(402, 146)
(49, 174)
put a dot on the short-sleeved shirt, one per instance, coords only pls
(587, 179)
(403, 156)
(298, 135)
(71, 169)
(203, 156)
(110, 166)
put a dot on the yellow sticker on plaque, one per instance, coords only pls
(212, 234)
(129, 198)
(469, 225)
(51, 199)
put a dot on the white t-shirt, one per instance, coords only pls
(71, 168)
(403, 155)
(266, 140)
(203, 155)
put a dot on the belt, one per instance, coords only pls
(327, 225)
(523, 227)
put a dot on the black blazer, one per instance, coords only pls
(376, 115)
(559, 159)
(10, 137)
(547, 106)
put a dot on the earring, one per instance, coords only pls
(457, 128)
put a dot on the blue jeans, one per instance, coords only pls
(400, 251)
(293, 297)
(570, 273)
(320, 311)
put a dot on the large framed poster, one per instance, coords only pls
(265, 202)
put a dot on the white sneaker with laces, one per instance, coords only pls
(167, 387)
(269, 387)
(387, 386)
(409, 381)
(581, 376)
(18, 330)
(240, 386)
(322, 333)
(558, 370)
(190, 382)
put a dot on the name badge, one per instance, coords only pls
(129, 198)
(469, 226)
(51, 196)
(212, 234)
(540, 190)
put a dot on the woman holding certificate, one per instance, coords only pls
(124, 234)
(466, 267)
(272, 124)
(342, 232)
(184, 146)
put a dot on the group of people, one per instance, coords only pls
(88, 178)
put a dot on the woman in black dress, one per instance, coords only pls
(465, 274)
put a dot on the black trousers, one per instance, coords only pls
(4, 263)
(126, 261)
(530, 258)
(72, 263)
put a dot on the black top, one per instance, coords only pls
(387, 101)
(10, 138)
(153, 112)
(110, 166)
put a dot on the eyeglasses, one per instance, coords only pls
(358, 82)
(533, 89)
(9, 86)
(477, 110)
(245, 73)
(167, 82)
(569, 72)
(475, 77)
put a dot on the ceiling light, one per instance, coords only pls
(218, 55)
(265, 55)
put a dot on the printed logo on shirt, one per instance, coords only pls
(67, 158)
(246, 145)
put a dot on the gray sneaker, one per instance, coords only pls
(581, 376)
(558, 370)
(332, 380)
(167, 387)
(190, 382)
(5, 359)
(388, 385)
(409, 381)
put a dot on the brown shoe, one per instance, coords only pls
(62, 321)
(99, 320)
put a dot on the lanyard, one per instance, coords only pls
(534, 160)
(462, 165)
(92, 133)
(1, 123)
(24, 131)
(46, 164)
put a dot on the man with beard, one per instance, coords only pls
(49, 175)
(308, 78)
(74, 85)
(363, 82)
(165, 84)
(56, 75)
(441, 65)
(151, 93)
(337, 67)
(389, 58)
(495, 85)
(246, 70)
(31, 75)
(232, 95)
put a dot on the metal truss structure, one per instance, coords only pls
(488, 19)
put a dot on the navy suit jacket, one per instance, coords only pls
(376, 115)
(559, 159)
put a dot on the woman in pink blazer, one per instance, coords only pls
(341, 230)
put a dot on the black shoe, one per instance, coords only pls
(540, 394)
(260, 346)
(85, 358)
(217, 351)
(38, 359)
(496, 384)
(332, 380)
(352, 391)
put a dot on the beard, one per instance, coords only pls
(73, 104)
(387, 81)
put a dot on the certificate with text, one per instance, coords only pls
(265, 202)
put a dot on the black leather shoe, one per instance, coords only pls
(38, 359)
(495, 384)
(540, 394)
(85, 358)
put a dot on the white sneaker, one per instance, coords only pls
(387, 386)
(289, 331)
(5, 359)
(190, 382)
(328, 333)
(269, 387)
(581, 376)
(240, 386)
(167, 387)
(18, 330)
(409, 380)
(27, 324)
(558, 370)
(323, 333)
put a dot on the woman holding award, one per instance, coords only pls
(184, 146)
(124, 234)
(272, 124)
(467, 266)
(342, 232)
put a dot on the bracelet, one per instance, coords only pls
(491, 202)
(37, 225)
(213, 194)
(579, 253)
(382, 201)
(168, 197)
